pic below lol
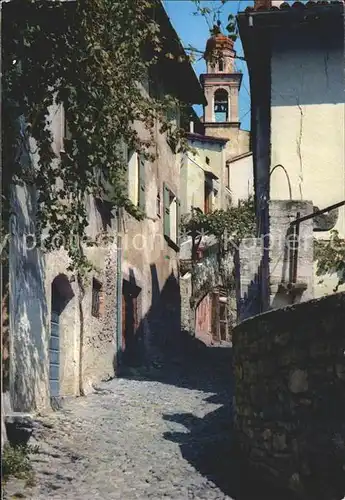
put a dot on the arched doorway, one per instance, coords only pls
(221, 106)
(130, 321)
(62, 293)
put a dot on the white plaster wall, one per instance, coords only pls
(241, 179)
(27, 311)
(307, 131)
(307, 127)
(193, 174)
(32, 272)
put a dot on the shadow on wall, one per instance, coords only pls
(186, 362)
(208, 445)
(155, 336)
(28, 312)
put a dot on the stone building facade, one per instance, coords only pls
(150, 303)
(221, 84)
(297, 127)
(65, 336)
(62, 335)
(213, 178)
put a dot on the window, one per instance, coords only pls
(207, 160)
(221, 65)
(207, 195)
(65, 132)
(227, 180)
(97, 299)
(221, 106)
(171, 217)
(136, 179)
(158, 204)
(105, 209)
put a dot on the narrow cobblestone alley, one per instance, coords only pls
(167, 436)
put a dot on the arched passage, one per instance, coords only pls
(221, 105)
(61, 294)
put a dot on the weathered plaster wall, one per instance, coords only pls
(307, 125)
(29, 331)
(32, 273)
(238, 140)
(148, 259)
(281, 213)
(241, 178)
(193, 175)
(290, 395)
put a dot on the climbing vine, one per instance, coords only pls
(330, 257)
(229, 227)
(96, 58)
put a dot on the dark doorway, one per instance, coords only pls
(62, 293)
(130, 320)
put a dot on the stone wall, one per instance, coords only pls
(248, 261)
(199, 284)
(290, 395)
(87, 348)
(281, 214)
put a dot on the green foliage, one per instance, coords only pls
(232, 224)
(228, 226)
(16, 462)
(92, 56)
(330, 257)
(212, 15)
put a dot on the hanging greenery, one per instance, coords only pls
(330, 257)
(228, 226)
(94, 57)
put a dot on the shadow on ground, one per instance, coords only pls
(209, 445)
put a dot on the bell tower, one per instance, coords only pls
(221, 86)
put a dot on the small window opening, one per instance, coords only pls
(207, 196)
(207, 160)
(158, 204)
(221, 65)
(97, 299)
(221, 105)
(105, 210)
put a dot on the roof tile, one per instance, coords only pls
(296, 5)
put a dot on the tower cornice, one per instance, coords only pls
(222, 78)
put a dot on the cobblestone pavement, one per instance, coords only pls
(163, 436)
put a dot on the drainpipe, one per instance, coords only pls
(81, 295)
(118, 332)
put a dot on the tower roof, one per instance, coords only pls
(218, 42)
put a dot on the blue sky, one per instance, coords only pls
(193, 30)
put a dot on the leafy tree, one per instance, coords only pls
(228, 226)
(330, 257)
(94, 56)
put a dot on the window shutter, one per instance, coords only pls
(142, 183)
(178, 221)
(166, 210)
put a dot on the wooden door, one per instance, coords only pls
(215, 316)
(129, 320)
(54, 356)
(223, 320)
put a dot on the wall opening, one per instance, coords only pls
(97, 299)
(130, 320)
(62, 294)
(221, 105)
